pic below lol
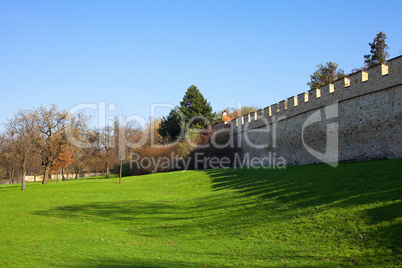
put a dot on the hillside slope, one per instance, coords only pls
(304, 216)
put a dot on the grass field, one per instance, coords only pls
(304, 216)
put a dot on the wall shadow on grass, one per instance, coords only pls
(317, 185)
(243, 200)
(391, 229)
(350, 185)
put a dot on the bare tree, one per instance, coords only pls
(21, 134)
(107, 147)
(8, 160)
(34, 164)
(52, 124)
(131, 133)
(80, 161)
(11, 166)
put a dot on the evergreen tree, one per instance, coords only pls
(170, 126)
(378, 50)
(195, 105)
(324, 74)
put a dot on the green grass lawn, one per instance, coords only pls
(304, 216)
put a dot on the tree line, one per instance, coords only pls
(40, 141)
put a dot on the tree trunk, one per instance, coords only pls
(107, 171)
(23, 178)
(46, 175)
(35, 177)
(62, 174)
(121, 165)
(12, 177)
(76, 175)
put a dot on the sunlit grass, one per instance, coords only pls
(304, 216)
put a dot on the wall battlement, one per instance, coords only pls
(377, 78)
(358, 116)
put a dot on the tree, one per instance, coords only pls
(171, 126)
(34, 164)
(324, 74)
(195, 105)
(361, 69)
(52, 125)
(21, 134)
(378, 50)
(80, 161)
(8, 158)
(64, 159)
(133, 133)
(193, 110)
(94, 152)
(107, 149)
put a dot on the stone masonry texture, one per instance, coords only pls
(366, 116)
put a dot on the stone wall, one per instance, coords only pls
(53, 177)
(58, 176)
(354, 118)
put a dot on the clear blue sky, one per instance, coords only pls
(134, 53)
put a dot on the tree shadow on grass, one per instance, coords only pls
(118, 211)
(157, 263)
(173, 221)
(119, 263)
(99, 177)
(18, 185)
(8, 186)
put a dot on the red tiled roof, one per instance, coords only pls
(226, 118)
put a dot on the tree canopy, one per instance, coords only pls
(324, 74)
(170, 126)
(194, 112)
(378, 50)
(194, 106)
